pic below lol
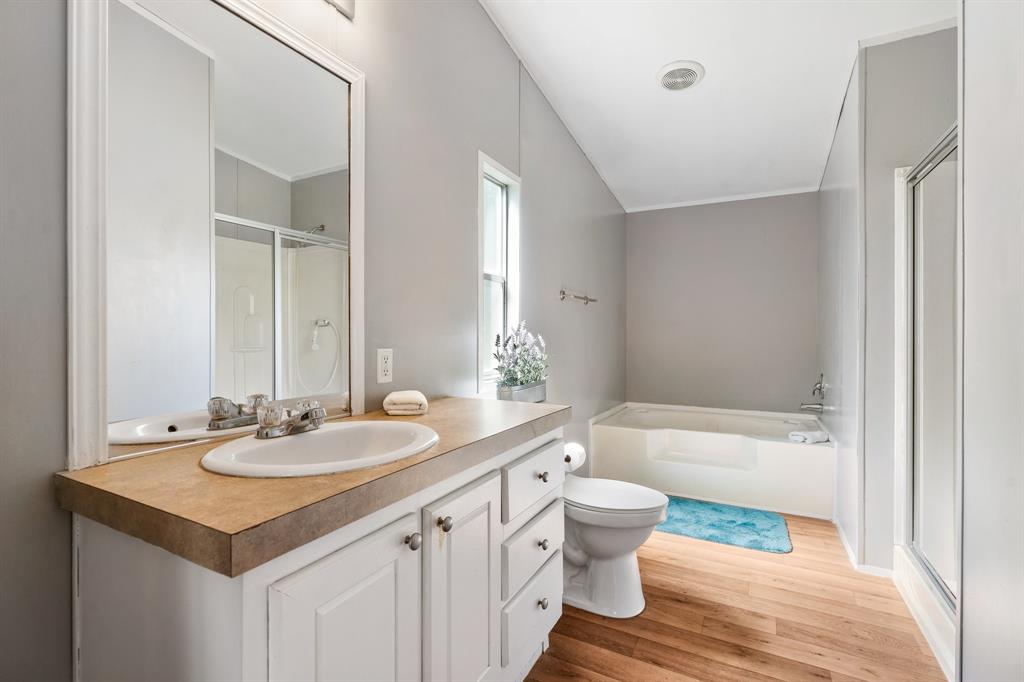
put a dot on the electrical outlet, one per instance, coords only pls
(385, 365)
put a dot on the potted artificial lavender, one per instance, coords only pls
(522, 362)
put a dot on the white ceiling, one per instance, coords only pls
(759, 124)
(272, 107)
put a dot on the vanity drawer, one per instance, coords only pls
(530, 547)
(530, 478)
(525, 622)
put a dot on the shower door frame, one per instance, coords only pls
(278, 233)
(931, 602)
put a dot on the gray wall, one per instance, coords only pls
(722, 304)
(909, 101)
(574, 238)
(245, 191)
(322, 200)
(841, 311)
(442, 84)
(35, 537)
(993, 465)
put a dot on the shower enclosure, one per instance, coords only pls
(280, 307)
(929, 322)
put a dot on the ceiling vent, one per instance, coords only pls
(680, 75)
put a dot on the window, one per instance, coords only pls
(499, 262)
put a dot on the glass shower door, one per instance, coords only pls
(243, 339)
(314, 317)
(935, 329)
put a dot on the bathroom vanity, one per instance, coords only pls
(443, 566)
(216, 258)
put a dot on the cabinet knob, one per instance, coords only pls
(544, 477)
(543, 603)
(544, 544)
(446, 524)
(415, 541)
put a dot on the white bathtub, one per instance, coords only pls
(731, 456)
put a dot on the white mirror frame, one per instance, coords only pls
(87, 206)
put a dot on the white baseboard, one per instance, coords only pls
(852, 556)
(928, 608)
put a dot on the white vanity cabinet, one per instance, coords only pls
(353, 615)
(434, 586)
(461, 637)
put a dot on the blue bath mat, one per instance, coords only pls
(727, 525)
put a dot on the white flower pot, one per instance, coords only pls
(537, 392)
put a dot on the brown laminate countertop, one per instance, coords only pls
(232, 524)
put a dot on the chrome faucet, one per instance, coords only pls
(227, 414)
(276, 421)
(818, 390)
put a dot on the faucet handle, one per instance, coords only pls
(818, 391)
(309, 410)
(254, 402)
(221, 408)
(305, 405)
(270, 415)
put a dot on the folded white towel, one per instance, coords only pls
(808, 436)
(405, 403)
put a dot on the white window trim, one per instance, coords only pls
(486, 166)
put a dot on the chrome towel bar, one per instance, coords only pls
(563, 294)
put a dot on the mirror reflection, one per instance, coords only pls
(935, 329)
(227, 230)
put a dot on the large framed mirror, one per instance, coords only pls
(221, 234)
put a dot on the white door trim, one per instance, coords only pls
(87, 211)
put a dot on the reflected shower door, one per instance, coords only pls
(314, 318)
(244, 333)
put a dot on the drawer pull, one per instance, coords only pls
(415, 541)
(544, 544)
(544, 477)
(543, 603)
(445, 524)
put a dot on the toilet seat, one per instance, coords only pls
(613, 504)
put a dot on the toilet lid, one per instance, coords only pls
(603, 494)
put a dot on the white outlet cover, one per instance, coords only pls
(385, 365)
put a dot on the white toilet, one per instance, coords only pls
(605, 522)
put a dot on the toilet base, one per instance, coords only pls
(607, 587)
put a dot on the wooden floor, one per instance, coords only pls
(717, 612)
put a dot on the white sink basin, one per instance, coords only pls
(342, 446)
(167, 428)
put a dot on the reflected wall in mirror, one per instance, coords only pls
(934, 324)
(227, 222)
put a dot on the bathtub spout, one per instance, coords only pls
(817, 408)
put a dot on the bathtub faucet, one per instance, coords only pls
(818, 391)
(817, 408)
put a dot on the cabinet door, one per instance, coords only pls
(462, 583)
(353, 615)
